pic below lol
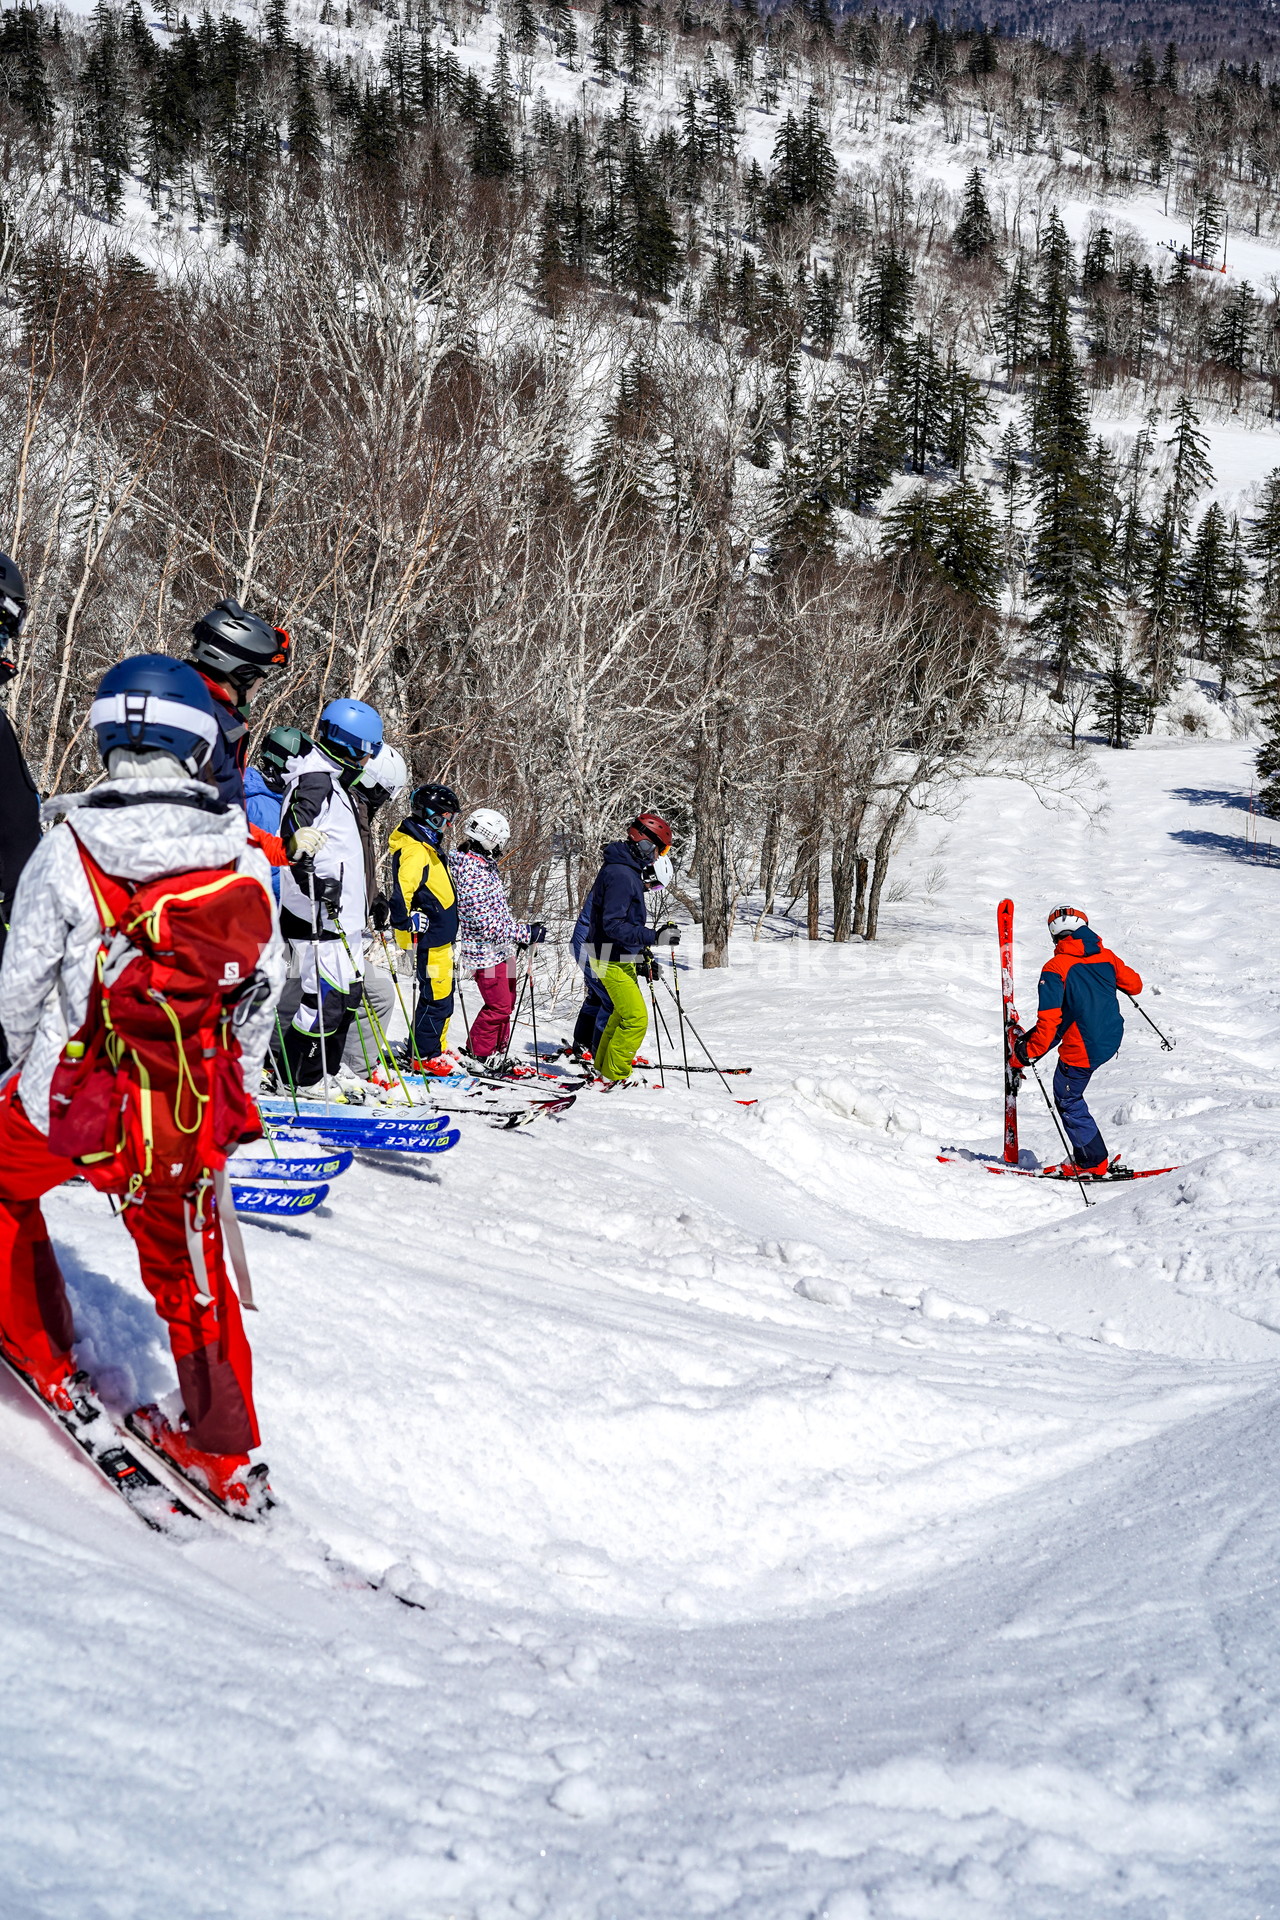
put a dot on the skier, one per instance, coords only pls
(593, 1015)
(265, 781)
(19, 800)
(618, 940)
(323, 904)
(1080, 1015)
(380, 782)
(152, 817)
(487, 934)
(424, 913)
(233, 651)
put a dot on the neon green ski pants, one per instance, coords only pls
(627, 1025)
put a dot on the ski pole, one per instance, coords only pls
(375, 1024)
(684, 1044)
(315, 952)
(685, 1020)
(389, 957)
(533, 1004)
(657, 1035)
(288, 1070)
(1164, 1039)
(1066, 1144)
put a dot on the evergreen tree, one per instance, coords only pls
(22, 64)
(823, 313)
(1231, 340)
(885, 298)
(804, 167)
(1201, 580)
(1161, 595)
(1169, 68)
(108, 112)
(952, 533)
(1121, 704)
(1234, 642)
(974, 236)
(275, 24)
(1190, 471)
(801, 502)
(1206, 228)
(525, 37)
(1016, 318)
(602, 42)
(1070, 560)
(492, 155)
(304, 114)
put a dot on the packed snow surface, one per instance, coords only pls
(798, 1526)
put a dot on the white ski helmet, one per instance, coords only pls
(1066, 920)
(490, 830)
(385, 774)
(663, 873)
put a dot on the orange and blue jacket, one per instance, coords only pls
(1079, 1011)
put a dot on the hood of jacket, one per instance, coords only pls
(624, 853)
(1078, 946)
(143, 826)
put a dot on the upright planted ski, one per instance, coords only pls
(1012, 1078)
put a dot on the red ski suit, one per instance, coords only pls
(210, 1351)
(134, 830)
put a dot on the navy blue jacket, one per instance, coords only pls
(618, 927)
(225, 767)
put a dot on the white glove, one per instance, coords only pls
(307, 840)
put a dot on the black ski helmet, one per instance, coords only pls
(433, 798)
(281, 745)
(13, 611)
(238, 646)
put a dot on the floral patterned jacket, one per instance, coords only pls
(487, 934)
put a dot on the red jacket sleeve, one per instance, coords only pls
(271, 845)
(1126, 979)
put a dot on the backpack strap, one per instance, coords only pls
(110, 896)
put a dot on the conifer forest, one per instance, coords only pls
(775, 415)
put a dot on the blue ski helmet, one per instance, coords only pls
(349, 731)
(154, 704)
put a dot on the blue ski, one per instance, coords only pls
(370, 1132)
(256, 1199)
(411, 1133)
(296, 1167)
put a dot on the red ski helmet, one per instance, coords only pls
(1065, 920)
(653, 828)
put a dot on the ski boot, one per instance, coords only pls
(225, 1478)
(1068, 1170)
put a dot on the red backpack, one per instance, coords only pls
(150, 1091)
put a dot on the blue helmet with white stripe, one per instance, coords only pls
(154, 704)
(350, 731)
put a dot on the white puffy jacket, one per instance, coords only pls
(54, 932)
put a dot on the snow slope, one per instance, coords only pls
(799, 1526)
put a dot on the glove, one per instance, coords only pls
(379, 912)
(1018, 1049)
(420, 922)
(307, 842)
(667, 935)
(537, 934)
(327, 892)
(647, 968)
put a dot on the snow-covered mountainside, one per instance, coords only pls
(798, 1526)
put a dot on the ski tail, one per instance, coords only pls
(1004, 928)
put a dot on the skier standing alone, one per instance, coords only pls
(1079, 1013)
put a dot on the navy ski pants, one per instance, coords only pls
(1087, 1145)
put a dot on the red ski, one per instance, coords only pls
(1004, 927)
(1044, 1173)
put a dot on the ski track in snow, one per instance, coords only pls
(799, 1527)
